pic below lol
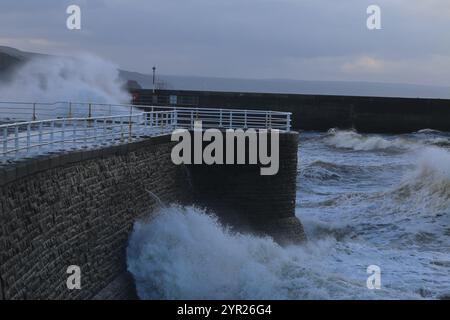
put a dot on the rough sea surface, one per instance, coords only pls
(363, 199)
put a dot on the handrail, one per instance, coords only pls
(74, 119)
(136, 106)
(30, 138)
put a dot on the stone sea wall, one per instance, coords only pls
(79, 209)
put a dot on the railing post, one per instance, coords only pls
(121, 129)
(34, 112)
(245, 119)
(130, 128)
(113, 136)
(156, 119)
(138, 126)
(104, 131)
(16, 139)
(231, 119)
(270, 119)
(145, 123)
(192, 119)
(95, 130)
(28, 137)
(113, 129)
(70, 110)
(40, 136)
(5, 141)
(220, 119)
(52, 129)
(90, 110)
(288, 124)
(74, 134)
(63, 133)
(175, 119)
(151, 118)
(85, 131)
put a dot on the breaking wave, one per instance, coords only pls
(327, 171)
(428, 186)
(358, 142)
(85, 78)
(429, 131)
(184, 253)
(391, 209)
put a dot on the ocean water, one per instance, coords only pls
(363, 199)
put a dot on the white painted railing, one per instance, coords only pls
(121, 124)
(28, 139)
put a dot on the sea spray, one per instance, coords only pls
(427, 187)
(184, 253)
(85, 78)
(358, 142)
(389, 209)
(392, 200)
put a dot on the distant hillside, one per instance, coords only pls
(8, 63)
(11, 58)
(18, 54)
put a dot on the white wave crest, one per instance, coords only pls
(428, 185)
(428, 131)
(185, 254)
(359, 142)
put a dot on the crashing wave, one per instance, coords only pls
(428, 131)
(327, 171)
(320, 170)
(185, 254)
(359, 142)
(84, 78)
(427, 187)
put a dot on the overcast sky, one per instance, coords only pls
(289, 39)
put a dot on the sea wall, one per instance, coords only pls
(79, 209)
(320, 112)
(242, 197)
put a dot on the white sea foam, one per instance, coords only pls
(359, 142)
(429, 131)
(84, 78)
(388, 209)
(427, 186)
(185, 254)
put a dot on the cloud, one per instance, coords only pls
(308, 39)
(364, 64)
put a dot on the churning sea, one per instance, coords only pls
(363, 200)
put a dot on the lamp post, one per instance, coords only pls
(154, 78)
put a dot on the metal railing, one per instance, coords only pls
(121, 124)
(28, 139)
(32, 111)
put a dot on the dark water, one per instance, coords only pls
(363, 199)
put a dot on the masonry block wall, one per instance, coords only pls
(78, 209)
(244, 198)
